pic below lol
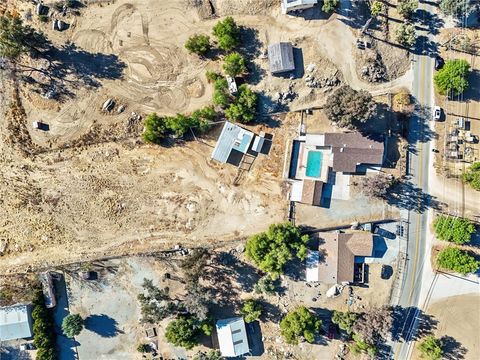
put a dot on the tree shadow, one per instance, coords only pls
(473, 91)
(430, 20)
(103, 325)
(418, 127)
(452, 349)
(411, 324)
(405, 195)
(354, 13)
(13, 353)
(313, 13)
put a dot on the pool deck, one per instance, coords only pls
(302, 162)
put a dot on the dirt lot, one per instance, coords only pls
(458, 323)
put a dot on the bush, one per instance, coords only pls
(43, 329)
(221, 95)
(211, 355)
(330, 6)
(406, 35)
(43, 18)
(227, 33)
(244, 107)
(183, 332)
(360, 346)
(472, 176)
(377, 8)
(457, 260)
(212, 76)
(234, 64)
(456, 8)
(155, 129)
(431, 348)
(72, 325)
(272, 249)
(143, 348)
(452, 77)
(300, 323)
(198, 44)
(265, 286)
(251, 310)
(345, 320)
(377, 186)
(453, 229)
(347, 107)
(407, 7)
(155, 303)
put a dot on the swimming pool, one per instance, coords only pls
(314, 164)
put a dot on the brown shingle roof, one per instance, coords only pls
(339, 251)
(312, 192)
(350, 149)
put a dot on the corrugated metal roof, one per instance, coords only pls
(280, 56)
(15, 322)
(232, 337)
(231, 137)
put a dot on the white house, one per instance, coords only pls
(292, 5)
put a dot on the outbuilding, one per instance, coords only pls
(280, 57)
(15, 322)
(233, 142)
(297, 5)
(232, 337)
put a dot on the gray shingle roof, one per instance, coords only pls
(280, 56)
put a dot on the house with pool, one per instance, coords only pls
(321, 165)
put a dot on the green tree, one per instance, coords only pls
(46, 354)
(406, 8)
(72, 325)
(406, 35)
(377, 8)
(431, 348)
(154, 129)
(251, 310)
(300, 323)
(453, 229)
(345, 320)
(329, 6)
(472, 176)
(183, 332)
(272, 249)
(244, 107)
(453, 76)
(457, 8)
(198, 44)
(265, 286)
(347, 107)
(203, 118)
(227, 33)
(17, 39)
(211, 355)
(234, 64)
(361, 346)
(221, 95)
(457, 260)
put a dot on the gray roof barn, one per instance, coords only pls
(280, 56)
(232, 139)
(15, 322)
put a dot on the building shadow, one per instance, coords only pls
(103, 325)
(254, 335)
(299, 63)
(313, 13)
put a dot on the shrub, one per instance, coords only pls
(272, 249)
(43, 329)
(198, 44)
(251, 310)
(347, 107)
(234, 64)
(345, 320)
(330, 6)
(456, 8)
(452, 77)
(183, 332)
(227, 33)
(72, 325)
(212, 76)
(453, 229)
(377, 8)
(457, 260)
(43, 18)
(300, 323)
(221, 96)
(265, 286)
(211, 355)
(407, 7)
(472, 176)
(360, 346)
(243, 109)
(406, 35)
(431, 348)
(155, 129)
(143, 348)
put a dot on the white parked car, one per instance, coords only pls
(437, 113)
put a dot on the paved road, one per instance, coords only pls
(419, 161)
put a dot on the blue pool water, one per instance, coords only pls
(314, 164)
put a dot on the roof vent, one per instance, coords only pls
(341, 149)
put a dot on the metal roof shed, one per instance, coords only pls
(232, 337)
(15, 322)
(292, 5)
(232, 137)
(280, 57)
